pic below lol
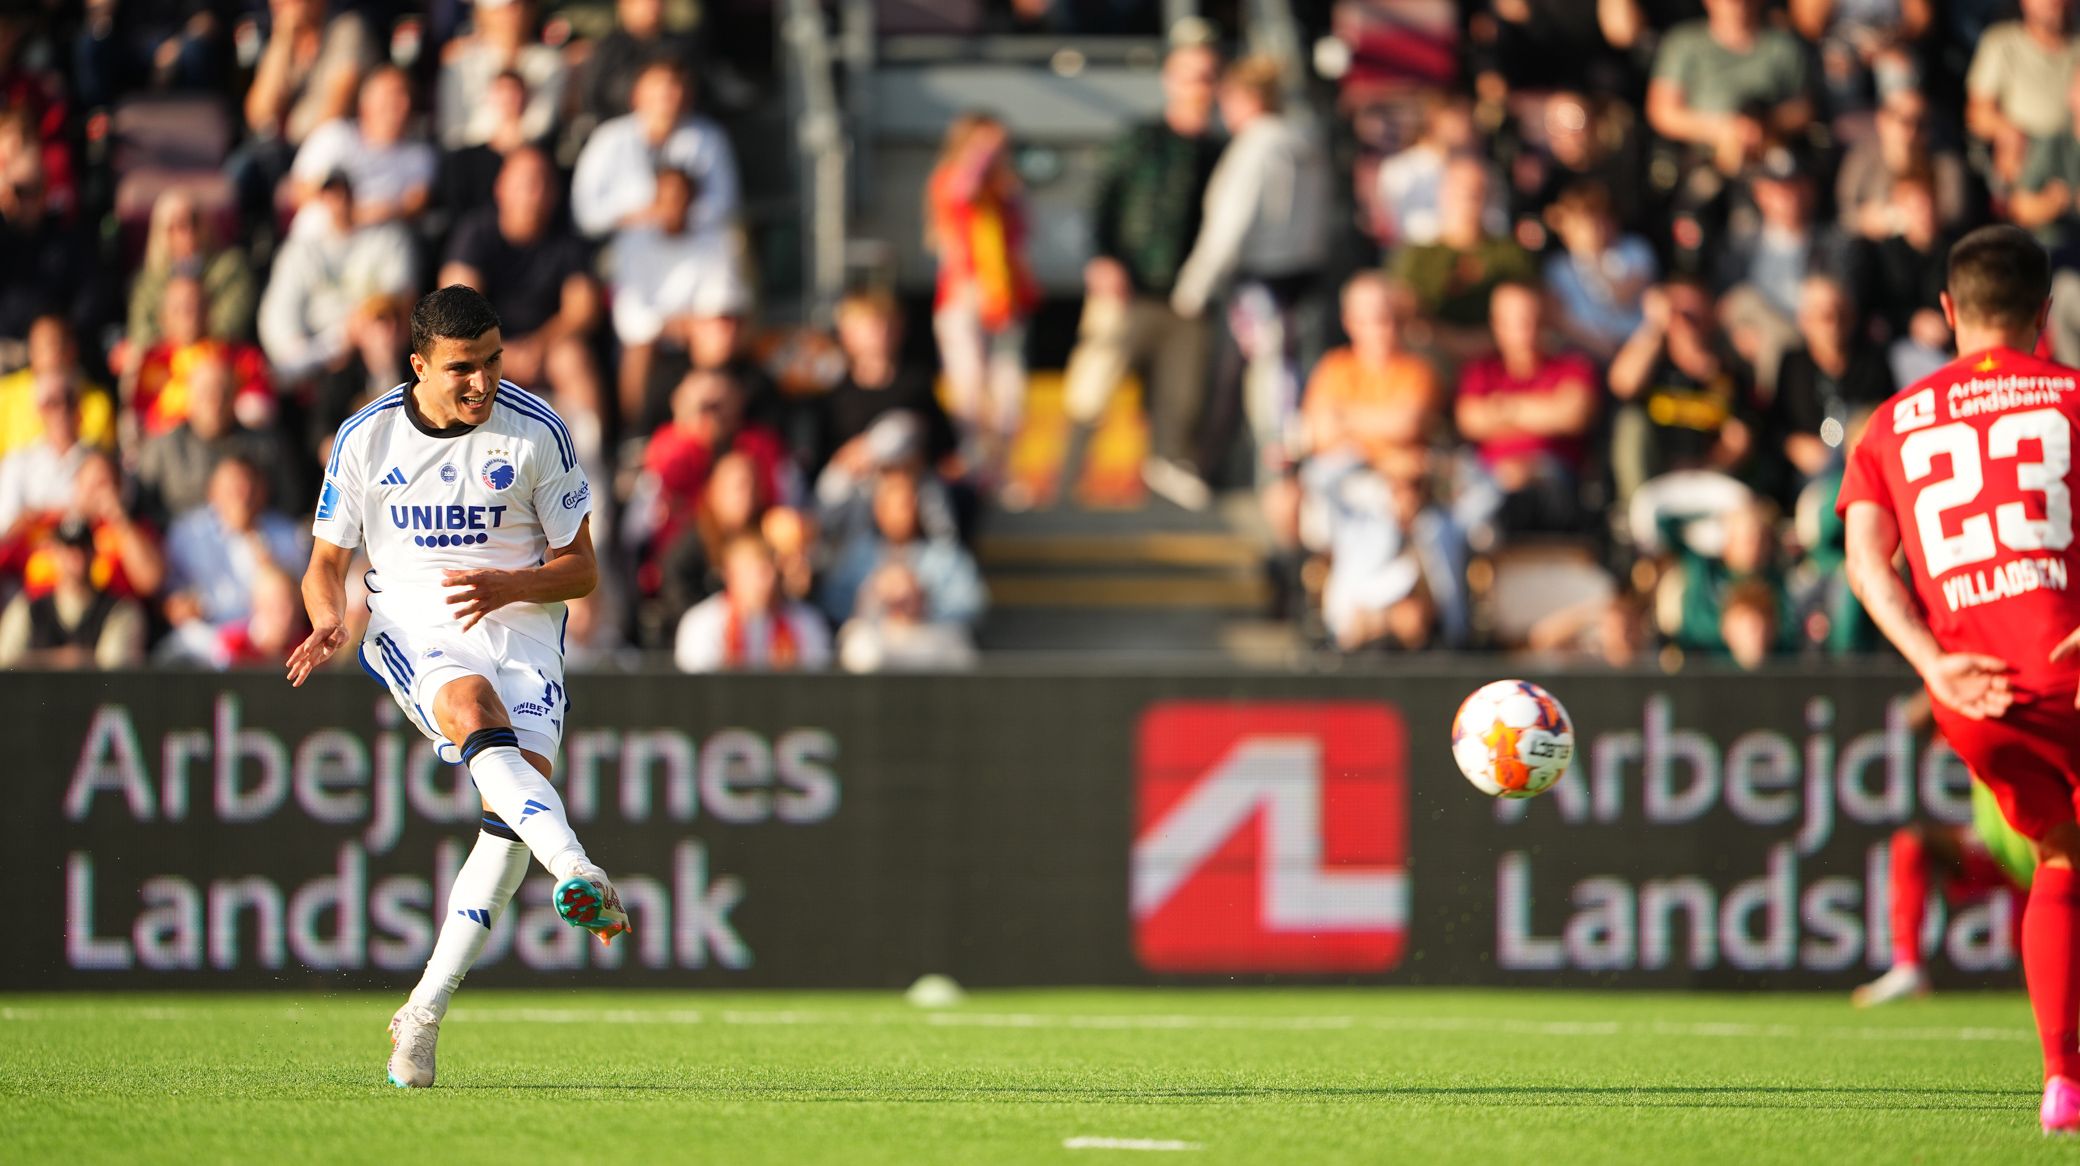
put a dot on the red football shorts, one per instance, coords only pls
(2029, 757)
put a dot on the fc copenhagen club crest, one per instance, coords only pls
(497, 472)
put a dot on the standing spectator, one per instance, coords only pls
(891, 632)
(975, 225)
(53, 358)
(1598, 277)
(615, 182)
(216, 551)
(1528, 413)
(953, 587)
(1411, 183)
(1835, 374)
(502, 41)
(1265, 235)
(1728, 79)
(391, 171)
(1686, 400)
(181, 245)
(639, 37)
(36, 479)
(1452, 277)
(77, 623)
(2017, 86)
(1147, 215)
(324, 273)
(166, 370)
(309, 69)
(666, 278)
(175, 468)
(52, 266)
(538, 277)
(750, 625)
(1900, 149)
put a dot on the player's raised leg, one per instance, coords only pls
(516, 786)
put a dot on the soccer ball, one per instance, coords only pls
(1512, 739)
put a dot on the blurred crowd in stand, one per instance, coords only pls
(1560, 351)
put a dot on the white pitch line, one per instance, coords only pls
(1119, 1022)
(1087, 1142)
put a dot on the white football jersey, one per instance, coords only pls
(498, 496)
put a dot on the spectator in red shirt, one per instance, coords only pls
(160, 399)
(1527, 412)
(707, 423)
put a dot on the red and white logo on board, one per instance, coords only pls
(1271, 837)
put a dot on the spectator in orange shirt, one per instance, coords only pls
(1371, 397)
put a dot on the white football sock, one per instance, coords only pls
(524, 798)
(482, 888)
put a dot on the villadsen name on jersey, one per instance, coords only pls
(498, 496)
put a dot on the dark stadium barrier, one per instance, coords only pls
(1719, 831)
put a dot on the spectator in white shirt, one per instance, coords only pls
(392, 172)
(749, 625)
(215, 551)
(666, 278)
(615, 183)
(503, 40)
(37, 478)
(889, 632)
(324, 273)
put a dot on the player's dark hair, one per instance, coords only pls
(454, 312)
(1999, 275)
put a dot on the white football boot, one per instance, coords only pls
(588, 900)
(1901, 983)
(413, 1033)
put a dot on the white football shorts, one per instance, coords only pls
(414, 664)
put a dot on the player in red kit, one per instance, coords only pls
(1971, 471)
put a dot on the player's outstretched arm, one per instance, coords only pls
(1974, 685)
(325, 601)
(570, 572)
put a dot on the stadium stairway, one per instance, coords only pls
(1100, 567)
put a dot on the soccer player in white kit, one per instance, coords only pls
(467, 492)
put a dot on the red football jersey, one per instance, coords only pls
(1976, 463)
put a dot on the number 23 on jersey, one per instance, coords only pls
(1980, 535)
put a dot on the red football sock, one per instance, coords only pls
(1909, 897)
(2051, 966)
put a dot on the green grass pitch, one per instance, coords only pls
(1058, 1076)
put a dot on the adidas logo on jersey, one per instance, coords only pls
(394, 478)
